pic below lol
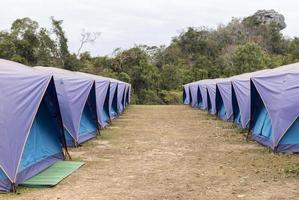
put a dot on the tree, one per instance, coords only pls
(7, 45)
(47, 52)
(293, 48)
(24, 36)
(248, 57)
(61, 42)
(170, 77)
(123, 76)
(157, 72)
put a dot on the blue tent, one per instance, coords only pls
(224, 107)
(102, 88)
(113, 96)
(226, 103)
(128, 99)
(199, 97)
(127, 94)
(76, 97)
(211, 88)
(121, 96)
(32, 137)
(118, 94)
(274, 108)
(241, 98)
(203, 97)
(194, 94)
(124, 102)
(113, 99)
(186, 94)
(226, 100)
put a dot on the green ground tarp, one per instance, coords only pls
(54, 174)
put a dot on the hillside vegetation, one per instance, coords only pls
(157, 72)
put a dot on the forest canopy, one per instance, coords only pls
(157, 73)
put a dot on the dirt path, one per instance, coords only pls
(174, 152)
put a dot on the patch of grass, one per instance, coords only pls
(90, 143)
(20, 190)
(212, 117)
(234, 132)
(241, 130)
(108, 135)
(228, 126)
(292, 170)
(75, 159)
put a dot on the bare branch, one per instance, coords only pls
(87, 37)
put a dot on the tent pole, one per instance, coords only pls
(57, 116)
(13, 187)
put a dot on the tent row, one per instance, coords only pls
(265, 102)
(45, 110)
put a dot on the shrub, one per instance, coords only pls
(171, 97)
(149, 97)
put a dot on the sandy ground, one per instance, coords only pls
(174, 152)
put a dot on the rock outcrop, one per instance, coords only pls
(269, 16)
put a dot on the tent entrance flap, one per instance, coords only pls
(291, 136)
(124, 99)
(43, 140)
(106, 112)
(199, 98)
(4, 181)
(209, 107)
(127, 96)
(190, 96)
(184, 96)
(220, 109)
(260, 123)
(54, 174)
(87, 126)
(87, 122)
(236, 109)
(114, 104)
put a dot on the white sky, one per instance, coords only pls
(124, 23)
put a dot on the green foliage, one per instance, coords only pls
(7, 45)
(247, 58)
(202, 67)
(123, 76)
(61, 42)
(170, 77)
(24, 36)
(251, 21)
(293, 48)
(46, 52)
(135, 65)
(148, 97)
(171, 97)
(134, 99)
(158, 72)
